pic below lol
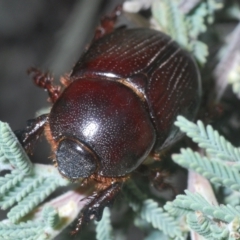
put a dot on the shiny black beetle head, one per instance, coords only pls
(75, 160)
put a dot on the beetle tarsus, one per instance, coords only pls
(94, 209)
(28, 136)
(45, 80)
(107, 23)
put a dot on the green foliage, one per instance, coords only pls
(12, 152)
(156, 235)
(149, 210)
(214, 170)
(208, 220)
(159, 218)
(33, 199)
(23, 189)
(193, 202)
(104, 228)
(171, 20)
(209, 139)
(185, 29)
(50, 216)
(205, 227)
(30, 230)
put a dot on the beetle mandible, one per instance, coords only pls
(118, 106)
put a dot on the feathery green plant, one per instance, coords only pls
(30, 230)
(212, 222)
(215, 170)
(220, 166)
(23, 189)
(149, 210)
(103, 227)
(186, 28)
(209, 139)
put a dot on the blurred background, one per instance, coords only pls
(48, 34)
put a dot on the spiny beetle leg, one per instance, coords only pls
(45, 81)
(28, 136)
(94, 209)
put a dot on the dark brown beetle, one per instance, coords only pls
(118, 106)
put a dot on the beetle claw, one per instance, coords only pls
(94, 209)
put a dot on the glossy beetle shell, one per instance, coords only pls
(126, 92)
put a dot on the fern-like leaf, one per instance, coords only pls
(206, 227)
(2, 157)
(159, 219)
(9, 181)
(214, 170)
(199, 50)
(20, 191)
(195, 21)
(212, 6)
(104, 228)
(177, 24)
(50, 216)
(201, 225)
(30, 230)
(209, 139)
(233, 199)
(12, 150)
(176, 211)
(194, 202)
(185, 29)
(156, 235)
(185, 204)
(149, 210)
(27, 185)
(32, 200)
(172, 21)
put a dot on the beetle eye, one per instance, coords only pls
(75, 160)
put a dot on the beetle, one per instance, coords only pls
(117, 107)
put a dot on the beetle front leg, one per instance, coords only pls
(32, 132)
(94, 209)
(107, 23)
(45, 81)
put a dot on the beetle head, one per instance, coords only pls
(75, 160)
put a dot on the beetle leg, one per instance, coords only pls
(94, 209)
(32, 132)
(44, 80)
(158, 177)
(107, 23)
